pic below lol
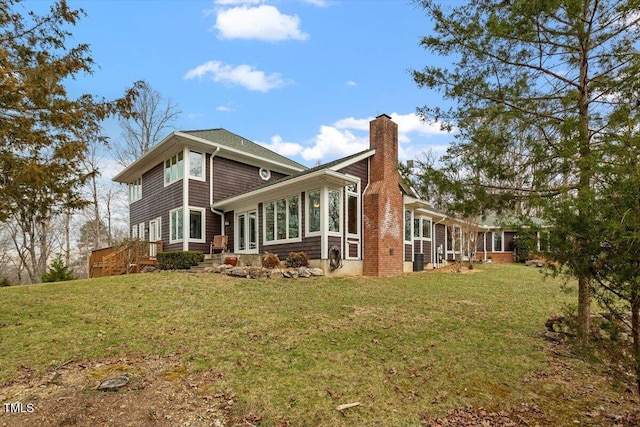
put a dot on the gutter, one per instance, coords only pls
(211, 191)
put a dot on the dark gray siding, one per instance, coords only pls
(408, 255)
(231, 178)
(426, 250)
(157, 200)
(440, 232)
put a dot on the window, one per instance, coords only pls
(314, 211)
(294, 217)
(426, 228)
(134, 232)
(265, 174)
(282, 219)
(141, 232)
(335, 210)
(174, 168)
(416, 227)
(196, 224)
(135, 190)
(176, 218)
(407, 225)
(196, 164)
(497, 241)
(353, 208)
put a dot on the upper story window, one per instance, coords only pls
(135, 190)
(265, 174)
(196, 164)
(174, 168)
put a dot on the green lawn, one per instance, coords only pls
(295, 350)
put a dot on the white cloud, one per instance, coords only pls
(351, 135)
(332, 143)
(224, 108)
(235, 2)
(264, 22)
(351, 83)
(241, 75)
(320, 3)
(283, 148)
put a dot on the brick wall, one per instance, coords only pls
(383, 203)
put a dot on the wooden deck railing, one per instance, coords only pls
(130, 257)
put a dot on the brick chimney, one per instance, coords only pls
(383, 203)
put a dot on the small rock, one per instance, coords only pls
(276, 273)
(303, 272)
(113, 384)
(316, 272)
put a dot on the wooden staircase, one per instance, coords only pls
(130, 257)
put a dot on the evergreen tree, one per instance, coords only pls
(58, 271)
(535, 87)
(40, 148)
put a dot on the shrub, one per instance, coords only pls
(179, 260)
(58, 272)
(4, 282)
(297, 259)
(270, 260)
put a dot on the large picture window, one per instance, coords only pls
(174, 168)
(176, 225)
(407, 226)
(282, 219)
(314, 211)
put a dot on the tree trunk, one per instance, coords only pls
(635, 330)
(584, 310)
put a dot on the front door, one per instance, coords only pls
(247, 232)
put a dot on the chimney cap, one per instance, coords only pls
(383, 115)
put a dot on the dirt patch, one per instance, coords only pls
(160, 392)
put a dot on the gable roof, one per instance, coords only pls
(230, 145)
(231, 140)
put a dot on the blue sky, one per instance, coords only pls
(300, 77)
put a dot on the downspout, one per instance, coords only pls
(217, 212)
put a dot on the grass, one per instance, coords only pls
(295, 350)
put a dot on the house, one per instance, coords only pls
(195, 185)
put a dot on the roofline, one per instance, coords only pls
(161, 146)
(362, 156)
(313, 176)
(141, 160)
(233, 150)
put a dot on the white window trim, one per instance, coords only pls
(164, 168)
(307, 215)
(158, 226)
(493, 241)
(358, 211)
(141, 232)
(203, 225)
(134, 195)
(204, 166)
(171, 225)
(276, 241)
(340, 211)
(425, 218)
(404, 226)
(134, 232)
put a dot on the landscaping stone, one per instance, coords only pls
(239, 272)
(275, 273)
(316, 272)
(303, 272)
